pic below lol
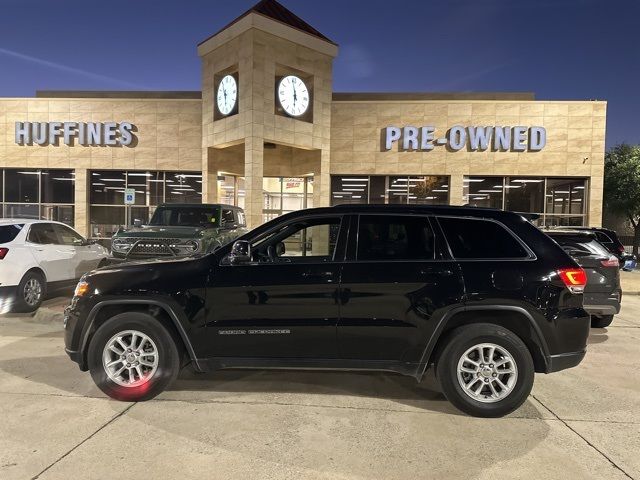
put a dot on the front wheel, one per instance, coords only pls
(485, 370)
(132, 357)
(602, 321)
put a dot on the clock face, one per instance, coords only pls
(227, 94)
(293, 95)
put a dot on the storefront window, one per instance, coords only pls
(38, 194)
(558, 201)
(231, 190)
(401, 189)
(285, 194)
(107, 210)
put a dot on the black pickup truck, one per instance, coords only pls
(481, 294)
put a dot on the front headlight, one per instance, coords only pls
(81, 289)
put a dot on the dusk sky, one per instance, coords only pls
(559, 49)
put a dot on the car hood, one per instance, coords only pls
(161, 232)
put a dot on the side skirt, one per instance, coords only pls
(220, 363)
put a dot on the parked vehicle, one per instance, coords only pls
(609, 239)
(481, 294)
(179, 230)
(603, 292)
(40, 255)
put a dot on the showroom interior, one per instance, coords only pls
(70, 155)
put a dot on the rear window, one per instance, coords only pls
(603, 237)
(8, 233)
(480, 239)
(582, 244)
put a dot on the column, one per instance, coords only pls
(253, 172)
(81, 197)
(322, 181)
(456, 190)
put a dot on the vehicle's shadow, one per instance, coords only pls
(597, 335)
(377, 390)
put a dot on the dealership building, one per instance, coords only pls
(268, 133)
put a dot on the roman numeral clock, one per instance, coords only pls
(293, 95)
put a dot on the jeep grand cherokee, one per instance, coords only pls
(482, 295)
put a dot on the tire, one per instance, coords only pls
(30, 292)
(518, 385)
(602, 321)
(154, 379)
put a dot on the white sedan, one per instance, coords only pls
(41, 255)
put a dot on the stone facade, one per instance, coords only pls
(169, 137)
(575, 141)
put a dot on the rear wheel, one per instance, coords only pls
(132, 357)
(601, 321)
(30, 292)
(485, 370)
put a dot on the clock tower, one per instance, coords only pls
(266, 96)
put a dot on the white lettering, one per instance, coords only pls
(392, 135)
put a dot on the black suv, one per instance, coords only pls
(482, 294)
(609, 239)
(603, 293)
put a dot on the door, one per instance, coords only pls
(395, 286)
(56, 260)
(86, 257)
(284, 303)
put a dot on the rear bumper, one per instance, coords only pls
(602, 303)
(565, 360)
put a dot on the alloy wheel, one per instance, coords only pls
(130, 358)
(32, 292)
(487, 372)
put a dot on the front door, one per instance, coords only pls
(396, 285)
(55, 259)
(284, 303)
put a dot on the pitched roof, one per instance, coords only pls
(275, 11)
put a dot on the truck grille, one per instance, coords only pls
(153, 247)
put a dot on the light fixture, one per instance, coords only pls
(473, 180)
(489, 191)
(526, 181)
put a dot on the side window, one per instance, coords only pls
(241, 220)
(43, 234)
(68, 236)
(306, 241)
(478, 239)
(382, 237)
(228, 219)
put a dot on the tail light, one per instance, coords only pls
(575, 279)
(3, 252)
(621, 249)
(610, 262)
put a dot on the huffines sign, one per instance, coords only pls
(107, 134)
(515, 139)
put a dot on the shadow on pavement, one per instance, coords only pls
(597, 335)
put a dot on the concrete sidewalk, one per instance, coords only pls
(262, 425)
(630, 282)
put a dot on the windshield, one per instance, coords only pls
(186, 217)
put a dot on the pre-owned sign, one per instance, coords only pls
(517, 139)
(86, 133)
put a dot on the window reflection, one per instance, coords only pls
(397, 189)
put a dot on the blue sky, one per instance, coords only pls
(559, 49)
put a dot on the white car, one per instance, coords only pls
(41, 255)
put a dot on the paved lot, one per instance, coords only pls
(54, 424)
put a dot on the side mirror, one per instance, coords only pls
(137, 223)
(240, 252)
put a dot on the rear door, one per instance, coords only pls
(55, 259)
(398, 280)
